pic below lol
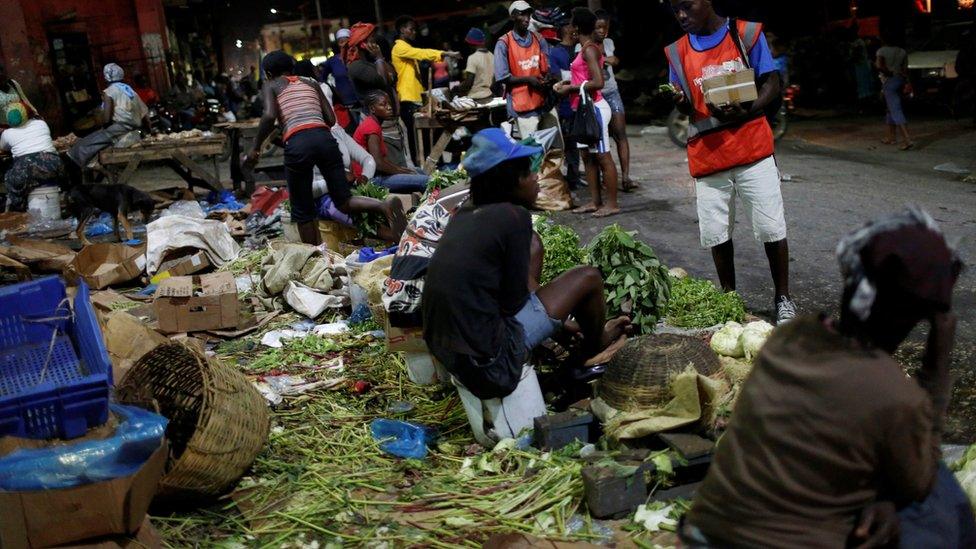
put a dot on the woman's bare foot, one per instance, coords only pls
(887, 141)
(586, 208)
(395, 216)
(907, 146)
(606, 211)
(629, 185)
(615, 328)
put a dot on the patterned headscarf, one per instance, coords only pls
(357, 37)
(905, 252)
(113, 73)
(15, 114)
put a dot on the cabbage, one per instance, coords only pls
(966, 474)
(753, 337)
(727, 340)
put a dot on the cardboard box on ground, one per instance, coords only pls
(197, 303)
(47, 518)
(101, 265)
(185, 261)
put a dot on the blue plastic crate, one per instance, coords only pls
(58, 397)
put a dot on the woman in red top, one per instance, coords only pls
(304, 114)
(369, 135)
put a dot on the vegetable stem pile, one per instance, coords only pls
(697, 303)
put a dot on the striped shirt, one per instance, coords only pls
(300, 106)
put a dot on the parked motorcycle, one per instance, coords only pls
(677, 122)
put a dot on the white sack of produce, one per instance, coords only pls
(177, 231)
(728, 340)
(307, 301)
(754, 336)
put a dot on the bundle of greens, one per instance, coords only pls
(697, 303)
(442, 179)
(636, 281)
(368, 223)
(561, 245)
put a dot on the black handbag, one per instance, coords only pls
(585, 128)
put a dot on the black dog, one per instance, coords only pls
(85, 201)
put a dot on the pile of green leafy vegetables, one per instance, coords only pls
(442, 179)
(697, 303)
(368, 223)
(636, 282)
(561, 245)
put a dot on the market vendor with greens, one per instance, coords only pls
(482, 314)
(830, 444)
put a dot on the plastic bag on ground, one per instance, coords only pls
(137, 436)
(402, 438)
(554, 192)
(308, 302)
(188, 208)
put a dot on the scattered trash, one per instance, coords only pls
(360, 314)
(953, 168)
(655, 516)
(276, 388)
(402, 438)
(399, 407)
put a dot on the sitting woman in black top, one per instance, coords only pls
(482, 306)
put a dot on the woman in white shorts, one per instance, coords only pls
(586, 73)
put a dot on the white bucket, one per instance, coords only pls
(495, 419)
(44, 203)
(289, 230)
(424, 369)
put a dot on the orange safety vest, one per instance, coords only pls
(523, 62)
(714, 146)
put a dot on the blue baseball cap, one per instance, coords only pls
(475, 37)
(490, 147)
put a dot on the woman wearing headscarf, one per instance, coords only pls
(35, 160)
(11, 92)
(830, 443)
(302, 111)
(123, 112)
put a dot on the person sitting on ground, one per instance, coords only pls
(36, 161)
(587, 78)
(122, 112)
(479, 73)
(369, 135)
(301, 109)
(829, 437)
(483, 309)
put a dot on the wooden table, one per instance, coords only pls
(447, 122)
(247, 130)
(178, 154)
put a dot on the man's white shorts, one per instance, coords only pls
(758, 186)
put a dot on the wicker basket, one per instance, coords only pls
(638, 376)
(218, 422)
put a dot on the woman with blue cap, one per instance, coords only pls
(483, 308)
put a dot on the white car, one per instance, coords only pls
(935, 60)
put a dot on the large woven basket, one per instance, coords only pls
(638, 376)
(218, 422)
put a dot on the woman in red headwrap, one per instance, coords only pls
(368, 70)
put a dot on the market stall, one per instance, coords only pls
(434, 121)
(241, 136)
(185, 155)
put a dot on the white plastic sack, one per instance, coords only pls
(308, 302)
(188, 208)
(177, 231)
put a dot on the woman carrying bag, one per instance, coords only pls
(591, 120)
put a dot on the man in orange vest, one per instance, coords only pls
(522, 65)
(730, 148)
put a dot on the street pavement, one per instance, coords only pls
(839, 176)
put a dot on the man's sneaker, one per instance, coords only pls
(785, 310)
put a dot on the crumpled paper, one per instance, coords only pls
(694, 400)
(177, 231)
